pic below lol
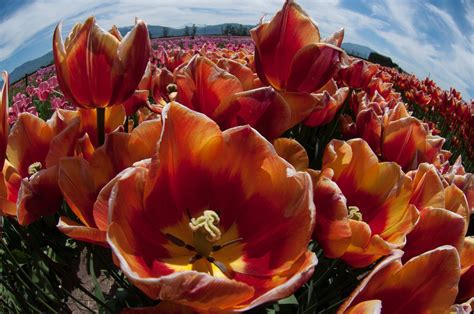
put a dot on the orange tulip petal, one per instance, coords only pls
(263, 109)
(77, 184)
(277, 42)
(327, 112)
(467, 253)
(7, 207)
(428, 189)
(137, 100)
(358, 74)
(365, 247)
(242, 72)
(28, 142)
(426, 283)
(426, 236)
(466, 285)
(70, 62)
(335, 39)
(132, 58)
(277, 190)
(283, 285)
(456, 201)
(407, 142)
(63, 144)
(144, 139)
(39, 196)
(293, 152)
(161, 79)
(366, 307)
(369, 127)
(101, 52)
(333, 230)
(312, 67)
(301, 106)
(80, 232)
(204, 87)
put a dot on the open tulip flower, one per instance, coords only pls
(216, 222)
(86, 182)
(291, 57)
(358, 74)
(98, 69)
(34, 150)
(427, 283)
(363, 205)
(331, 98)
(408, 142)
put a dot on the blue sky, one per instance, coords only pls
(434, 38)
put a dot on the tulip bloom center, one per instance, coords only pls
(205, 235)
(206, 231)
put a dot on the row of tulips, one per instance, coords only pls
(453, 116)
(40, 97)
(209, 199)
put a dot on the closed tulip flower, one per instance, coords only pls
(97, 69)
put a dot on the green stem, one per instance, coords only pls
(101, 125)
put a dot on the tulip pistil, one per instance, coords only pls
(354, 213)
(207, 224)
(34, 168)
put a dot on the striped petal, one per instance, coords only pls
(293, 152)
(427, 236)
(278, 41)
(204, 87)
(426, 283)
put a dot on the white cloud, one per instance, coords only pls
(449, 63)
(24, 24)
(398, 23)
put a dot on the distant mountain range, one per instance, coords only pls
(158, 31)
(357, 50)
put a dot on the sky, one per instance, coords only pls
(432, 38)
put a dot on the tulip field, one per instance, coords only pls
(264, 174)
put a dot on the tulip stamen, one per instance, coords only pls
(219, 265)
(216, 248)
(195, 258)
(177, 241)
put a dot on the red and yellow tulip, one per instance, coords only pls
(363, 205)
(97, 69)
(289, 53)
(217, 221)
(86, 183)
